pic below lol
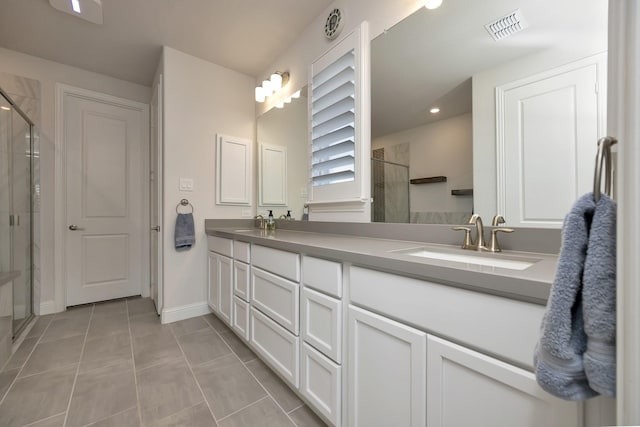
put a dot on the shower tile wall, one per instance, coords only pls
(377, 174)
(396, 207)
(25, 93)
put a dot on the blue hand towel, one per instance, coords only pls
(599, 299)
(184, 235)
(558, 357)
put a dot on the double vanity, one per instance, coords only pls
(371, 331)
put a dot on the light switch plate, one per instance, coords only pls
(246, 213)
(186, 184)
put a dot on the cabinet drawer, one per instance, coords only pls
(241, 280)
(276, 297)
(242, 251)
(321, 319)
(220, 245)
(279, 347)
(240, 321)
(285, 264)
(320, 382)
(323, 275)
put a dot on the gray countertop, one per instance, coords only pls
(531, 284)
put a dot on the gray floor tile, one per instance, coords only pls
(6, 378)
(156, 348)
(128, 418)
(38, 396)
(166, 389)
(53, 355)
(136, 306)
(282, 394)
(305, 417)
(55, 421)
(264, 414)
(110, 307)
(66, 327)
(216, 323)
(41, 324)
(108, 324)
(196, 416)
(228, 386)
(102, 393)
(146, 324)
(203, 346)
(21, 355)
(78, 312)
(105, 351)
(244, 353)
(189, 326)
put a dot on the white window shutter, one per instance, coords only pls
(339, 147)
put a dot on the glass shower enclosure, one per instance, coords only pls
(16, 207)
(390, 191)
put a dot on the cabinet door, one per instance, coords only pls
(241, 280)
(241, 318)
(469, 388)
(321, 318)
(212, 298)
(225, 287)
(321, 383)
(386, 373)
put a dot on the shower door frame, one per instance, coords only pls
(26, 118)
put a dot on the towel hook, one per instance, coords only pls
(603, 162)
(184, 202)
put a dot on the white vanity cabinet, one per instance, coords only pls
(241, 288)
(395, 363)
(274, 316)
(465, 387)
(387, 376)
(220, 289)
(321, 329)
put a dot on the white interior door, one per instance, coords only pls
(155, 208)
(104, 146)
(551, 124)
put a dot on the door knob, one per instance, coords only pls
(74, 227)
(156, 228)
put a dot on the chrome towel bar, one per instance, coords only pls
(603, 162)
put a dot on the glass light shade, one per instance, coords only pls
(280, 104)
(260, 97)
(276, 82)
(432, 4)
(295, 94)
(266, 87)
(287, 100)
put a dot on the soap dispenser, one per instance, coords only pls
(288, 217)
(271, 222)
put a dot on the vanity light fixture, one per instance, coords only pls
(280, 104)
(276, 81)
(434, 110)
(432, 4)
(296, 94)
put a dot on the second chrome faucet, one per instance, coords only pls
(478, 243)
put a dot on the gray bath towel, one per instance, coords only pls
(558, 357)
(184, 235)
(599, 299)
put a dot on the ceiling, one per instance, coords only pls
(428, 59)
(243, 35)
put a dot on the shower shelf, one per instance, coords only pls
(462, 192)
(430, 180)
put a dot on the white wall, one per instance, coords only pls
(442, 148)
(201, 99)
(49, 73)
(288, 127)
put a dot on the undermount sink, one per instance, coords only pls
(489, 260)
(243, 230)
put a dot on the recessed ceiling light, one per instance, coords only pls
(90, 10)
(432, 4)
(75, 4)
(434, 110)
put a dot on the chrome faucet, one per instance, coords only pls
(261, 222)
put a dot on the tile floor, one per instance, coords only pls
(114, 364)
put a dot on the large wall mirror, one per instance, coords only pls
(513, 134)
(282, 159)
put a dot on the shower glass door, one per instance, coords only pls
(15, 208)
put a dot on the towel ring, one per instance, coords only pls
(184, 202)
(603, 162)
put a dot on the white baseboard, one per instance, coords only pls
(170, 315)
(47, 307)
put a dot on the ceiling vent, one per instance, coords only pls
(507, 25)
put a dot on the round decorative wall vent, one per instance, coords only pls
(334, 24)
